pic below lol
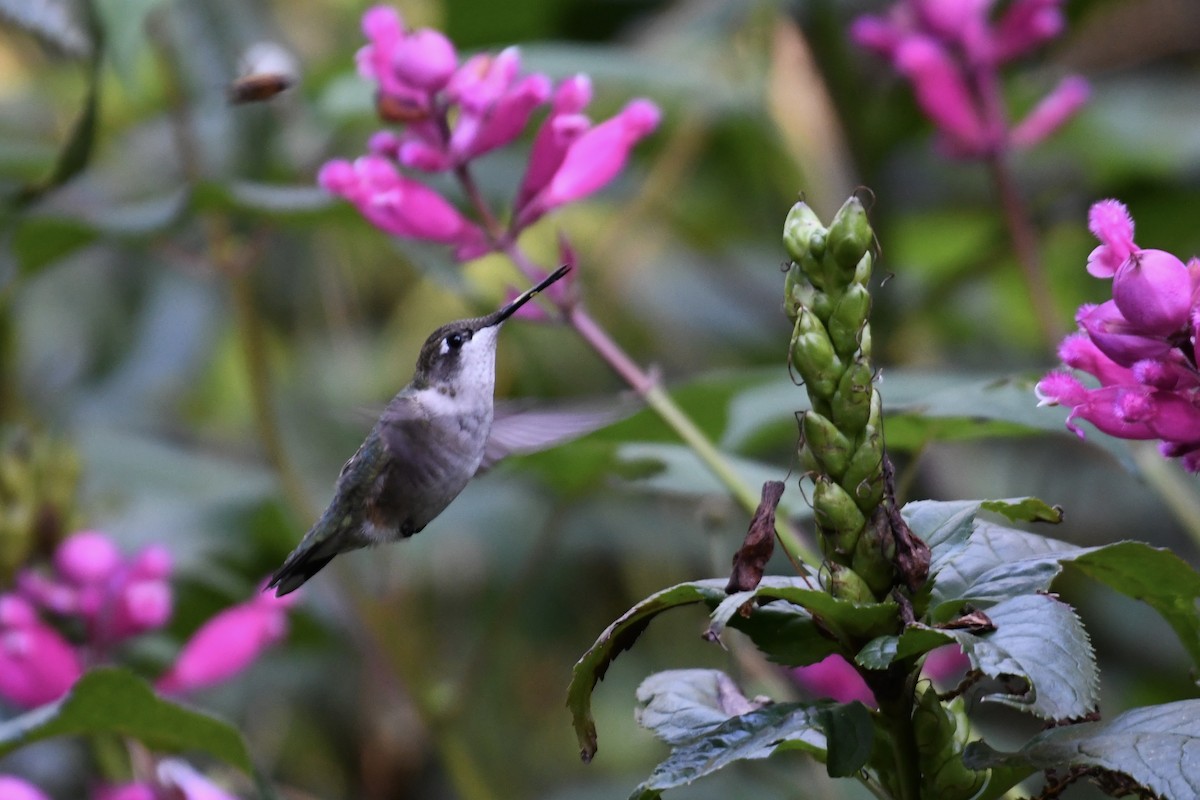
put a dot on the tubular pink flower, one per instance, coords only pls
(943, 95)
(833, 677)
(47, 593)
(37, 665)
(227, 644)
(485, 78)
(1026, 25)
(594, 159)
(1116, 337)
(1052, 112)
(945, 663)
(1167, 414)
(1060, 389)
(14, 788)
(563, 125)
(1110, 222)
(1077, 351)
(87, 557)
(504, 120)
(398, 204)
(424, 59)
(384, 29)
(1153, 291)
(1115, 410)
(139, 606)
(1163, 375)
(952, 20)
(877, 34)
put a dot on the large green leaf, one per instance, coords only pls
(115, 701)
(710, 724)
(1157, 746)
(1038, 639)
(620, 636)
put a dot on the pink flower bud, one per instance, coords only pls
(1060, 389)
(1077, 351)
(14, 788)
(1109, 221)
(37, 665)
(227, 644)
(504, 120)
(16, 612)
(1153, 290)
(153, 563)
(139, 606)
(876, 34)
(87, 557)
(1054, 111)
(1025, 25)
(425, 59)
(835, 678)
(946, 663)
(1116, 337)
(943, 95)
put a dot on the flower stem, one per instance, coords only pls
(677, 419)
(1024, 243)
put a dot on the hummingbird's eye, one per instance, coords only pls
(455, 340)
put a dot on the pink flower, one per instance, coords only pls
(1109, 221)
(951, 52)
(87, 557)
(944, 664)
(227, 644)
(14, 788)
(593, 159)
(398, 204)
(835, 678)
(126, 791)
(1153, 290)
(37, 665)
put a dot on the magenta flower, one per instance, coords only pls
(1140, 347)
(227, 644)
(951, 52)
(37, 665)
(127, 791)
(835, 678)
(173, 780)
(14, 788)
(449, 114)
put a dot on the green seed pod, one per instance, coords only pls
(864, 341)
(851, 404)
(863, 479)
(830, 448)
(862, 272)
(838, 518)
(844, 584)
(874, 553)
(850, 237)
(813, 355)
(804, 237)
(802, 293)
(848, 318)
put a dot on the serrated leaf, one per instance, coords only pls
(849, 737)
(1038, 639)
(785, 633)
(879, 653)
(1157, 746)
(114, 701)
(753, 735)
(620, 636)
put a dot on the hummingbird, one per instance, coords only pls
(432, 438)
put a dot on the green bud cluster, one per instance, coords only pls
(826, 297)
(39, 477)
(940, 742)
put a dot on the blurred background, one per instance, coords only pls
(182, 307)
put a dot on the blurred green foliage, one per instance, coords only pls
(211, 332)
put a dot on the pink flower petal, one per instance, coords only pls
(1054, 111)
(1109, 221)
(1153, 290)
(1025, 25)
(37, 665)
(835, 678)
(127, 791)
(943, 95)
(14, 788)
(425, 59)
(87, 557)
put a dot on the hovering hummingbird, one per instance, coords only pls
(430, 441)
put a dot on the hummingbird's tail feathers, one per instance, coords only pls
(299, 567)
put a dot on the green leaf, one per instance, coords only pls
(114, 701)
(124, 24)
(880, 652)
(40, 241)
(850, 736)
(620, 636)
(1038, 639)
(845, 619)
(1157, 746)
(1024, 509)
(710, 724)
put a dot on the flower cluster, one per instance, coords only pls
(1140, 346)
(450, 114)
(951, 52)
(108, 599)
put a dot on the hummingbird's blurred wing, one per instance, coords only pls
(518, 429)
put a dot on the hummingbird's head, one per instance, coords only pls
(462, 355)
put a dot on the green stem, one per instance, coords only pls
(677, 419)
(897, 715)
(1175, 490)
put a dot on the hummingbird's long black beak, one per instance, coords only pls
(506, 312)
